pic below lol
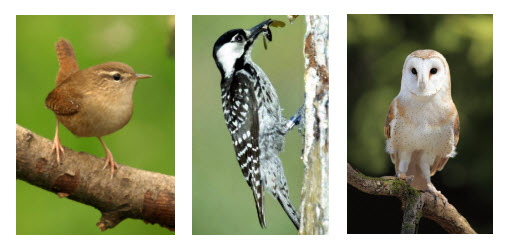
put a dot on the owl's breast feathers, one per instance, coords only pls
(432, 127)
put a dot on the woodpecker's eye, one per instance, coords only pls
(414, 71)
(433, 71)
(116, 77)
(238, 38)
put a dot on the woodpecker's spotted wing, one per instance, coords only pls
(241, 115)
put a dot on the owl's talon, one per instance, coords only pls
(436, 194)
(405, 178)
(410, 179)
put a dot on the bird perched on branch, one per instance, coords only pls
(92, 102)
(422, 126)
(253, 117)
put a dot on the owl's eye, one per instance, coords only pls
(414, 71)
(433, 71)
(116, 77)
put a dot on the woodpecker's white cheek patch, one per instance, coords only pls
(228, 54)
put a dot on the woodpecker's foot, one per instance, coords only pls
(110, 161)
(437, 194)
(57, 147)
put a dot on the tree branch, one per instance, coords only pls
(315, 191)
(132, 193)
(416, 203)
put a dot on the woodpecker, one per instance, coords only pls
(253, 117)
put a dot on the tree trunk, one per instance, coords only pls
(315, 192)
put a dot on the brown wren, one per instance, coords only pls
(92, 102)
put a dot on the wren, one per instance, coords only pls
(92, 102)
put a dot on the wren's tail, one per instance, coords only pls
(284, 200)
(66, 60)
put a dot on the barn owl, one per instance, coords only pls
(422, 126)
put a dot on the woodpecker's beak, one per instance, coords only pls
(143, 76)
(256, 30)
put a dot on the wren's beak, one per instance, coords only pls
(256, 30)
(143, 76)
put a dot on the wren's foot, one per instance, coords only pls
(57, 146)
(109, 158)
(110, 161)
(437, 194)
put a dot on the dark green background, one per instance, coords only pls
(222, 201)
(146, 141)
(377, 48)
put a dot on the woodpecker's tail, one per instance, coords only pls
(284, 200)
(258, 196)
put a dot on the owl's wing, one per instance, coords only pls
(440, 162)
(456, 128)
(387, 129)
(63, 100)
(66, 60)
(388, 119)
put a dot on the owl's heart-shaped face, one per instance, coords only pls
(425, 76)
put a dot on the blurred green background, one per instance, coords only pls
(377, 48)
(222, 201)
(148, 141)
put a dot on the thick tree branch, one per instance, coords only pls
(315, 191)
(132, 193)
(416, 203)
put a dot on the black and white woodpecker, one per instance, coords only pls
(253, 117)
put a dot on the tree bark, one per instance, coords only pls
(416, 203)
(315, 192)
(132, 193)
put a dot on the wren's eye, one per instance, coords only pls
(238, 38)
(433, 71)
(414, 71)
(116, 77)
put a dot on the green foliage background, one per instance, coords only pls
(147, 141)
(377, 48)
(222, 201)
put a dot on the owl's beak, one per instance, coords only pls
(421, 82)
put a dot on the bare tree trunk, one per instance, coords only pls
(315, 192)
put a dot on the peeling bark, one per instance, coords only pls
(315, 191)
(132, 193)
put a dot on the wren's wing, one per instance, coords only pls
(66, 60)
(63, 100)
(241, 114)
